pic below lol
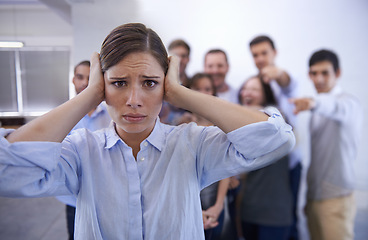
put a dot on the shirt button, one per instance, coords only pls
(145, 144)
(142, 158)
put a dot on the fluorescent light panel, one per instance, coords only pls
(11, 44)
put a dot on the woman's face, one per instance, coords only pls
(203, 85)
(252, 93)
(134, 90)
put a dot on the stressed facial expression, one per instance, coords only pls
(81, 78)
(323, 76)
(216, 65)
(252, 94)
(134, 90)
(263, 54)
(183, 53)
(203, 85)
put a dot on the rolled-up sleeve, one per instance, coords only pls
(264, 142)
(247, 148)
(31, 169)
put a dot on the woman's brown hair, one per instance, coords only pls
(129, 38)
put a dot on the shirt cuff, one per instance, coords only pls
(5, 132)
(262, 137)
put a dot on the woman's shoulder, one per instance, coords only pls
(191, 126)
(83, 136)
(188, 130)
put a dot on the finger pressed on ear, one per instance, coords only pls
(174, 61)
(95, 58)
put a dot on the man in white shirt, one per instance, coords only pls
(335, 130)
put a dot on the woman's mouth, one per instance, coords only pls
(248, 101)
(134, 118)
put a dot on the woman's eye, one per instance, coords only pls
(150, 83)
(119, 83)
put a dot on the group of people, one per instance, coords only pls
(146, 152)
(263, 204)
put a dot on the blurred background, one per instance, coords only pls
(57, 34)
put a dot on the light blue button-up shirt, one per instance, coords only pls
(155, 196)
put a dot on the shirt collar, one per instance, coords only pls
(156, 138)
(111, 136)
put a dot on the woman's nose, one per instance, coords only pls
(134, 99)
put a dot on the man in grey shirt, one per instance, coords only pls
(335, 130)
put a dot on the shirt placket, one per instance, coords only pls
(135, 193)
(141, 158)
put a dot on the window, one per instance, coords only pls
(33, 81)
(8, 91)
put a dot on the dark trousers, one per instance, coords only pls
(262, 232)
(295, 174)
(230, 230)
(70, 216)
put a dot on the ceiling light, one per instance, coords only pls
(11, 44)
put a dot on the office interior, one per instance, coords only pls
(57, 34)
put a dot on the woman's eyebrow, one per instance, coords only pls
(145, 76)
(117, 78)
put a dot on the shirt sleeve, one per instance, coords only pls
(342, 108)
(245, 149)
(291, 89)
(287, 91)
(33, 169)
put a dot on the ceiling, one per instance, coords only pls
(60, 7)
(19, 2)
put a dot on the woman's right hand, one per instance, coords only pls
(96, 79)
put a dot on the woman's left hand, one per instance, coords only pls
(172, 83)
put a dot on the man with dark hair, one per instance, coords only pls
(81, 76)
(264, 54)
(336, 123)
(261, 39)
(216, 64)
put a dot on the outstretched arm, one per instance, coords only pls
(341, 108)
(273, 72)
(225, 115)
(55, 125)
(302, 104)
